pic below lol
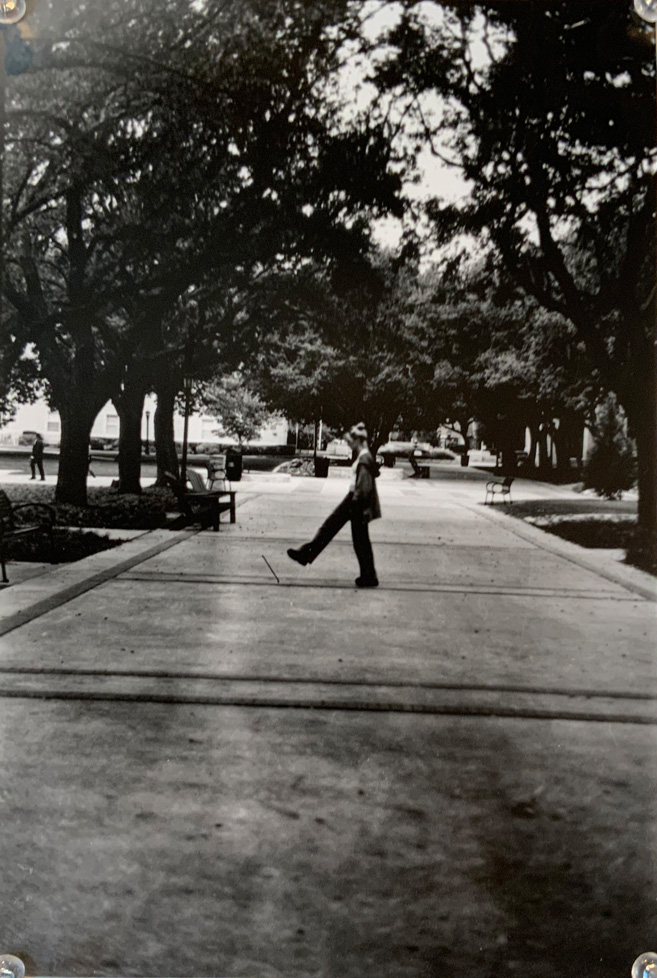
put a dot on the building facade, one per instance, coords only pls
(203, 429)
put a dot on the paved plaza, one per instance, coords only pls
(215, 767)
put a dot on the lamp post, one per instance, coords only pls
(647, 10)
(148, 419)
(187, 386)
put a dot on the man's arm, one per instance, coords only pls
(364, 483)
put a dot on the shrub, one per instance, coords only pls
(611, 467)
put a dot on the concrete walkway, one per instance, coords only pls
(206, 771)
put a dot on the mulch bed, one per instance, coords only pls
(69, 546)
(590, 522)
(106, 510)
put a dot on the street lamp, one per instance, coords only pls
(148, 418)
(188, 383)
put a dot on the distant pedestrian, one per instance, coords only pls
(360, 506)
(36, 459)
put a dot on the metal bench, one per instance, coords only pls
(496, 488)
(202, 503)
(10, 529)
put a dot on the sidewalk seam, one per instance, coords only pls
(56, 600)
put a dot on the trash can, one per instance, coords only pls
(233, 467)
(321, 467)
(465, 459)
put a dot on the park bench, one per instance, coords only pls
(419, 471)
(10, 529)
(496, 488)
(217, 471)
(202, 503)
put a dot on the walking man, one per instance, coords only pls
(360, 506)
(36, 459)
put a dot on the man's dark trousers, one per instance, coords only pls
(360, 535)
(329, 528)
(340, 516)
(36, 463)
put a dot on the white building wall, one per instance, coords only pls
(202, 427)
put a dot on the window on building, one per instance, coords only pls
(54, 425)
(112, 425)
(209, 427)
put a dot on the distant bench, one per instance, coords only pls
(419, 471)
(205, 504)
(501, 488)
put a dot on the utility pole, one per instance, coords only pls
(647, 10)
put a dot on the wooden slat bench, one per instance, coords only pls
(10, 529)
(205, 504)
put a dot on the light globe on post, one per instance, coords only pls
(11, 11)
(645, 966)
(647, 10)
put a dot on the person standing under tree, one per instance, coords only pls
(36, 459)
(360, 506)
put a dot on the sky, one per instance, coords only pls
(437, 179)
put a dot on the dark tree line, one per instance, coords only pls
(552, 123)
(162, 159)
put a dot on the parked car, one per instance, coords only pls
(27, 437)
(338, 447)
(104, 444)
(392, 450)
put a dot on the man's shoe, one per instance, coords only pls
(364, 583)
(298, 556)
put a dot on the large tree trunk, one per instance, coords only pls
(165, 445)
(129, 407)
(560, 441)
(544, 466)
(77, 421)
(464, 425)
(533, 445)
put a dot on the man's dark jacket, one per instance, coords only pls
(366, 497)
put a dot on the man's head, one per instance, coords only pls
(357, 435)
